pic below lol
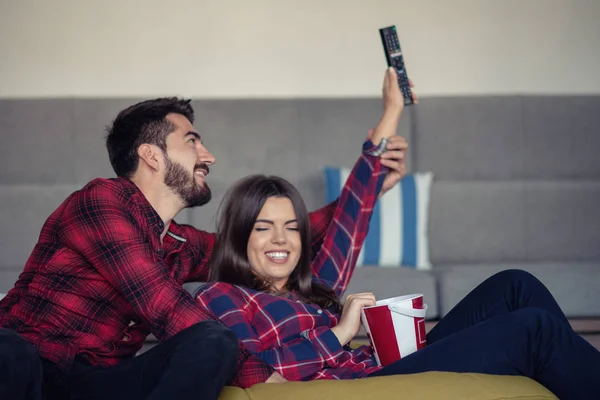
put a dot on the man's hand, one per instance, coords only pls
(395, 159)
(276, 378)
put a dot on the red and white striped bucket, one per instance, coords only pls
(395, 327)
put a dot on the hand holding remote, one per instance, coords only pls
(395, 59)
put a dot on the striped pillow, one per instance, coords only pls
(398, 232)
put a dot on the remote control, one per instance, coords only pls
(393, 55)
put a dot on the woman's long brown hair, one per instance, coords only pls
(237, 215)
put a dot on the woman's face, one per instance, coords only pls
(274, 246)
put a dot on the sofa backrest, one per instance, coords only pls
(516, 178)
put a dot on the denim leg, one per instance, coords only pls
(528, 342)
(195, 363)
(501, 293)
(20, 368)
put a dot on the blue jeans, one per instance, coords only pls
(510, 325)
(194, 363)
(20, 368)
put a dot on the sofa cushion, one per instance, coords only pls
(499, 222)
(469, 138)
(574, 284)
(398, 231)
(561, 125)
(477, 222)
(423, 386)
(507, 137)
(562, 221)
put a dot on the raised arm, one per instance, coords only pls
(319, 223)
(104, 232)
(336, 259)
(296, 359)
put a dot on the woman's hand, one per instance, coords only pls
(350, 320)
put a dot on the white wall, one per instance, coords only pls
(284, 48)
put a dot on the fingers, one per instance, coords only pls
(360, 295)
(394, 155)
(396, 143)
(415, 98)
(398, 166)
(352, 297)
(390, 80)
(393, 163)
(366, 302)
(391, 76)
(362, 299)
(396, 149)
(386, 79)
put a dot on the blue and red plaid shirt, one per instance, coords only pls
(99, 280)
(293, 337)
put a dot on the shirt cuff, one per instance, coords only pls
(373, 150)
(326, 344)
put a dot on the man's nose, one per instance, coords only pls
(206, 156)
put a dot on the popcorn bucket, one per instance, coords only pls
(395, 327)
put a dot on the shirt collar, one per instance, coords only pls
(149, 213)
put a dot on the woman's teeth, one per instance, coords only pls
(277, 255)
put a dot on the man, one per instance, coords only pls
(108, 270)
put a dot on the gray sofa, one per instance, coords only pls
(516, 184)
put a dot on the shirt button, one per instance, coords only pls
(159, 251)
(319, 311)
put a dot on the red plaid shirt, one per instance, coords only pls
(99, 280)
(293, 337)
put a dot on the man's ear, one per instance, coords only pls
(150, 155)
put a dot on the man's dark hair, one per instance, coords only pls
(144, 122)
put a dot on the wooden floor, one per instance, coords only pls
(589, 329)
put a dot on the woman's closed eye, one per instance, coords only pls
(263, 228)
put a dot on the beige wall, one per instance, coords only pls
(284, 48)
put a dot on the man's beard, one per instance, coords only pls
(184, 184)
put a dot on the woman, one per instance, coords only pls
(289, 313)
